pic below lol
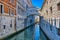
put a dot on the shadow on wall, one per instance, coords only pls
(51, 31)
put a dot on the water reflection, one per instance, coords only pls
(32, 33)
(36, 32)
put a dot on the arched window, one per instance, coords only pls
(58, 5)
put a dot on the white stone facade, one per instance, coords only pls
(50, 11)
(21, 8)
(51, 19)
(28, 2)
(7, 25)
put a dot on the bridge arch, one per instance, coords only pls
(32, 18)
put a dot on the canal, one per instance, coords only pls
(31, 33)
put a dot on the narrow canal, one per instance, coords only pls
(31, 33)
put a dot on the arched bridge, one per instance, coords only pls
(32, 19)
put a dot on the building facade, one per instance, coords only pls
(29, 19)
(7, 17)
(51, 10)
(21, 11)
(51, 16)
(13, 14)
(24, 8)
(28, 2)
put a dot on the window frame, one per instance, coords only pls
(2, 8)
(10, 12)
(4, 26)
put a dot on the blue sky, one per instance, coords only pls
(37, 3)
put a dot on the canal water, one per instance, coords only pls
(31, 33)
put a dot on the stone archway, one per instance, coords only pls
(32, 18)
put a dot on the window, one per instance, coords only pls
(1, 8)
(51, 9)
(58, 5)
(11, 12)
(19, 10)
(11, 24)
(47, 12)
(4, 26)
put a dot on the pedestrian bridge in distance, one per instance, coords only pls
(31, 19)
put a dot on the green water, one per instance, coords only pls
(31, 33)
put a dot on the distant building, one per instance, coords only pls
(7, 16)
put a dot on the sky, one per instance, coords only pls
(37, 3)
